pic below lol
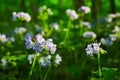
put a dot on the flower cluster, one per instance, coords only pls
(3, 38)
(93, 48)
(72, 14)
(45, 50)
(21, 16)
(84, 9)
(89, 34)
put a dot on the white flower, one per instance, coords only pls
(85, 9)
(49, 11)
(30, 58)
(58, 59)
(106, 41)
(87, 24)
(3, 38)
(116, 29)
(113, 37)
(55, 26)
(11, 39)
(89, 34)
(72, 14)
(20, 30)
(22, 16)
(4, 62)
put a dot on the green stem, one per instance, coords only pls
(99, 68)
(67, 33)
(33, 64)
(47, 73)
(49, 33)
(40, 71)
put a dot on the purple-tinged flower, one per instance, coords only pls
(96, 47)
(50, 46)
(40, 42)
(89, 50)
(93, 48)
(28, 41)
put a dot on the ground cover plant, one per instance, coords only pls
(59, 43)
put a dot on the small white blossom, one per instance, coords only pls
(116, 29)
(106, 41)
(49, 11)
(72, 14)
(20, 30)
(89, 34)
(22, 16)
(55, 26)
(58, 59)
(113, 37)
(11, 39)
(87, 24)
(30, 58)
(4, 62)
(84, 9)
(3, 38)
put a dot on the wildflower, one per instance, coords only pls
(20, 30)
(11, 39)
(28, 42)
(14, 16)
(4, 62)
(44, 61)
(116, 29)
(30, 58)
(106, 41)
(50, 46)
(40, 42)
(22, 16)
(3, 38)
(58, 59)
(87, 24)
(113, 37)
(84, 9)
(72, 14)
(93, 48)
(49, 11)
(89, 34)
(55, 26)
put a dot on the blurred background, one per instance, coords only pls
(73, 67)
